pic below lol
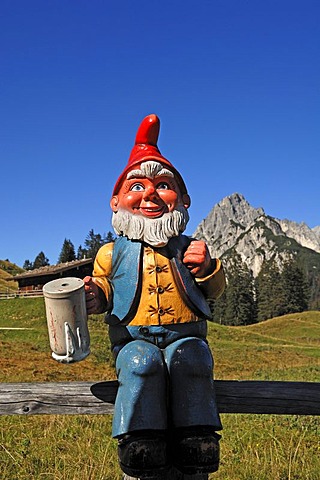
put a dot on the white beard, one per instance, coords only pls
(154, 231)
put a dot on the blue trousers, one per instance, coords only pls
(165, 379)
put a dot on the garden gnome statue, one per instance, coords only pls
(153, 282)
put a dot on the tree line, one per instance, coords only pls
(92, 243)
(274, 292)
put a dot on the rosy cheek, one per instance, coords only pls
(129, 202)
(170, 199)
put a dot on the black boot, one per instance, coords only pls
(143, 454)
(196, 450)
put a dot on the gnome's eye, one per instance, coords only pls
(163, 186)
(137, 187)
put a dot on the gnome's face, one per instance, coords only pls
(149, 205)
(149, 190)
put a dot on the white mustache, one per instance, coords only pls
(154, 231)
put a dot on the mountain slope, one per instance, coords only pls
(233, 225)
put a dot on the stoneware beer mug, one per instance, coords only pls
(67, 319)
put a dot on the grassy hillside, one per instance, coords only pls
(254, 447)
(7, 269)
(10, 268)
(283, 348)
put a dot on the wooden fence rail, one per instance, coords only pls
(67, 398)
(21, 294)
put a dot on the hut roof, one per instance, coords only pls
(52, 269)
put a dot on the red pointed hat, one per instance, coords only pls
(145, 148)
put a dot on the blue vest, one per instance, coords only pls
(126, 278)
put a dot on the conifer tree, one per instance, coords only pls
(93, 242)
(239, 303)
(269, 291)
(314, 292)
(295, 289)
(81, 253)
(279, 293)
(40, 261)
(109, 237)
(218, 308)
(27, 265)
(67, 253)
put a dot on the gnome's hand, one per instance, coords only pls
(197, 259)
(93, 299)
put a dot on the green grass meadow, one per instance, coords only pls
(79, 447)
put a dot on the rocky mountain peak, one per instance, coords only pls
(237, 206)
(228, 219)
(233, 208)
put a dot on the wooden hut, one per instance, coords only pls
(34, 280)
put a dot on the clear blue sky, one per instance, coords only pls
(236, 84)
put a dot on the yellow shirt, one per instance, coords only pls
(160, 302)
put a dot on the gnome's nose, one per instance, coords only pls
(150, 193)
